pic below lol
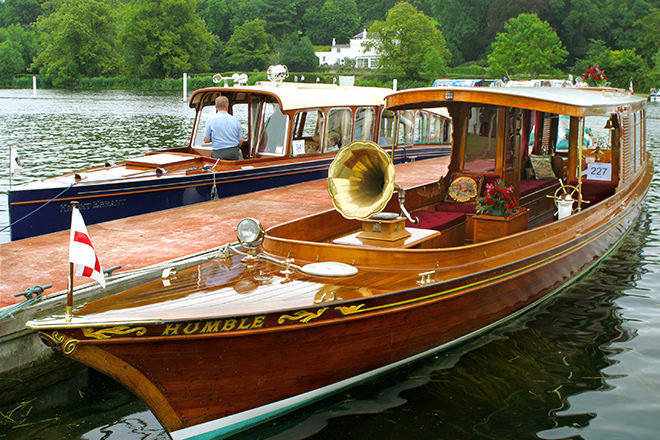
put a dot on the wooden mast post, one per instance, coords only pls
(69, 294)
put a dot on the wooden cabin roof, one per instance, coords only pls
(565, 101)
(300, 95)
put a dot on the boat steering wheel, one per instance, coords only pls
(566, 193)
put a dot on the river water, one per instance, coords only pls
(586, 365)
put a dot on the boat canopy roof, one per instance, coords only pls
(565, 101)
(292, 96)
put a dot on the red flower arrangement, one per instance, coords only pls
(594, 76)
(497, 200)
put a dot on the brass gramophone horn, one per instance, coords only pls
(361, 180)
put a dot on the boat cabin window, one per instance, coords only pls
(255, 108)
(340, 126)
(439, 128)
(597, 150)
(405, 127)
(481, 141)
(307, 131)
(272, 136)
(431, 127)
(238, 109)
(422, 128)
(365, 119)
(386, 128)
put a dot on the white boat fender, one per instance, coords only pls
(160, 171)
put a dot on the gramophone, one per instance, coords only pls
(361, 183)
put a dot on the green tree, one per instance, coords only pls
(528, 47)
(626, 64)
(373, 10)
(11, 61)
(337, 19)
(409, 42)
(341, 19)
(583, 20)
(648, 41)
(249, 46)
(654, 74)
(298, 53)
(217, 15)
(280, 17)
(78, 40)
(313, 25)
(23, 12)
(245, 10)
(622, 15)
(463, 23)
(165, 38)
(25, 40)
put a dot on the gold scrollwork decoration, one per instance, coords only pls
(69, 346)
(52, 339)
(55, 339)
(350, 310)
(302, 316)
(107, 333)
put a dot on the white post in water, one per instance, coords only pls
(185, 86)
(34, 85)
(394, 84)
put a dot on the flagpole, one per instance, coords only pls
(69, 294)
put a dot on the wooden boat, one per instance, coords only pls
(287, 129)
(315, 305)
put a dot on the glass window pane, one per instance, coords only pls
(422, 127)
(204, 116)
(338, 132)
(481, 142)
(365, 118)
(307, 129)
(272, 136)
(386, 129)
(405, 131)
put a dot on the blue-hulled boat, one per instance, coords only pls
(287, 128)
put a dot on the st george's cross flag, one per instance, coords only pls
(81, 251)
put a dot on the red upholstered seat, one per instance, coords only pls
(436, 220)
(528, 186)
(594, 191)
(467, 208)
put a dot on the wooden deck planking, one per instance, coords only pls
(148, 239)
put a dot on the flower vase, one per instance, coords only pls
(500, 211)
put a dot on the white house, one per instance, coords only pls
(353, 50)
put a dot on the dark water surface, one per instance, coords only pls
(585, 365)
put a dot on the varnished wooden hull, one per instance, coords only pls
(246, 337)
(224, 374)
